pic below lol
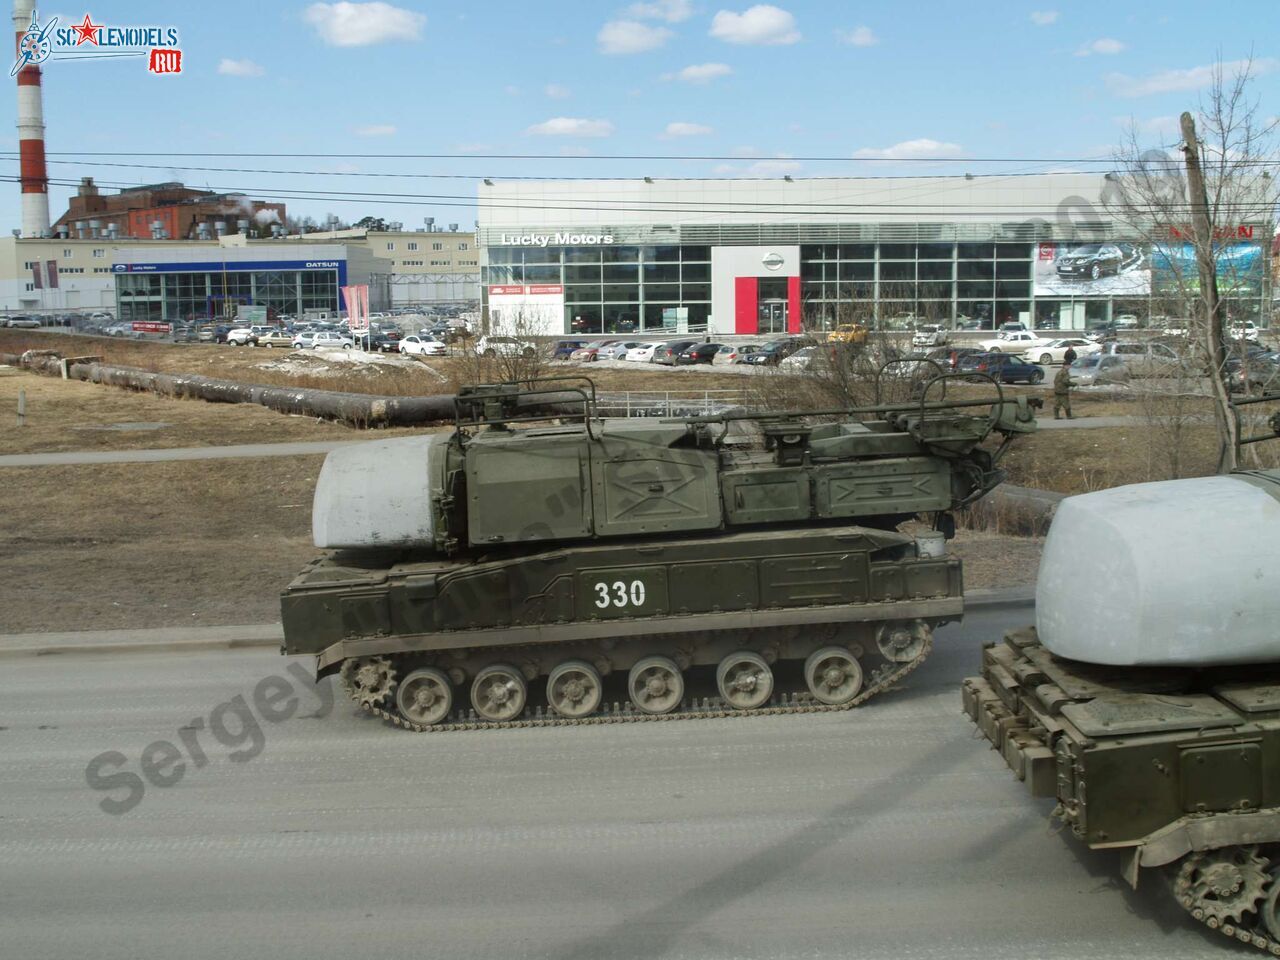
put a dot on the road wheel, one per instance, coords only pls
(499, 692)
(526, 353)
(656, 685)
(491, 352)
(425, 696)
(744, 680)
(1037, 377)
(833, 675)
(270, 345)
(575, 689)
(996, 350)
(1095, 271)
(1046, 359)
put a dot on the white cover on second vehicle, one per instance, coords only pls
(375, 494)
(1176, 573)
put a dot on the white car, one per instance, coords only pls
(1054, 350)
(642, 353)
(802, 359)
(1017, 341)
(413, 346)
(929, 335)
(505, 347)
(322, 340)
(1247, 330)
(241, 336)
(617, 351)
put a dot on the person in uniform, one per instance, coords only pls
(1069, 357)
(1062, 385)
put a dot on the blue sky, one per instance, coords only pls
(761, 84)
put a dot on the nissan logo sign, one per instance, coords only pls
(772, 260)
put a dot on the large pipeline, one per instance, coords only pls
(355, 409)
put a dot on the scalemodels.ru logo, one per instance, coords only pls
(88, 40)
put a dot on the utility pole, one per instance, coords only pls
(1202, 232)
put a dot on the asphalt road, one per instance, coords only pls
(888, 832)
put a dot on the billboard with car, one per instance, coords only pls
(1104, 269)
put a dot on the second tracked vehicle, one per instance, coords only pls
(520, 571)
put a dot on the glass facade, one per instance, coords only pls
(616, 288)
(889, 285)
(184, 297)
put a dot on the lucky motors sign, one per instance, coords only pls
(559, 239)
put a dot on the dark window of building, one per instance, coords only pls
(621, 273)
(589, 293)
(621, 318)
(661, 273)
(976, 270)
(621, 293)
(582, 274)
(660, 291)
(897, 251)
(697, 272)
(936, 251)
(695, 253)
(620, 254)
(857, 251)
(1013, 288)
(897, 271)
(549, 273)
(976, 251)
(662, 254)
(694, 291)
(1013, 270)
(935, 270)
(1013, 251)
(583, 318)
(978, 290)
(582, 255)
(857, 271)
(810, 271)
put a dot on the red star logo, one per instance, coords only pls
(88, 31)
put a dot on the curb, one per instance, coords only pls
(1008, 597)
(160, 640)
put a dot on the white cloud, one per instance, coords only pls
(858, 37)
(772, 168)
(1175, 81)
(700, 72)
(679, 128)
(672, 11)
(376, 130)
(345, 24)
(1043, 18)
(761, 25)
(1105, 46)
(922, 149)
(630, 36)
(240, 68)
(556, 91)
(571, 127)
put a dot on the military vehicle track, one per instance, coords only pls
(1233, 890)
(707, 708)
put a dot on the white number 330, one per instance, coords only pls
(620, 594)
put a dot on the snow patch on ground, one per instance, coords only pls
(321, 363)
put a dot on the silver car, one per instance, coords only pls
(1098, 370)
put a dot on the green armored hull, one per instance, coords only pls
(614, 569)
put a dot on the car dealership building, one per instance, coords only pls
(768, 256)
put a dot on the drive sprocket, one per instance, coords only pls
(369, 680)
(1221, 885)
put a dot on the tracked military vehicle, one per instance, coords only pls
(1146, 700)
(516, 571)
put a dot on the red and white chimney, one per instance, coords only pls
(35, 178)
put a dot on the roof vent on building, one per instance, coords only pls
(220, 227)
(453, 228)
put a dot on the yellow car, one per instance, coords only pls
(848, 333)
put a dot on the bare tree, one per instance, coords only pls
(1196, 222)
(511, 354)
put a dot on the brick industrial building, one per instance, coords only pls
(164, 211)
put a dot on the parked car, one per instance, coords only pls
(1015, 341)
(848, 333)
(275, 338)
(1097, 370)
(617, 351)
(929, 335)
(1127, 321)
(802, 359)
(422, 347)
(126, 330)
(1259, 373)
(1054, 350)
(775, 351)
(1003, 367)
(241, 337)
(183, 334)
(504, 347)
(588, 352)
(666, 353)
(643, 353)
(1093, 261)
(24, 323)
(734, 353)
(563, 348)
(323, 340)
(1244, 330)
(698, 353)
(1147, 358)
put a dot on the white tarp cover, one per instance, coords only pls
(1177, 573)
(375, 494)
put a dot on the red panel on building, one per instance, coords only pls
(746, 304)
(793, 305)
